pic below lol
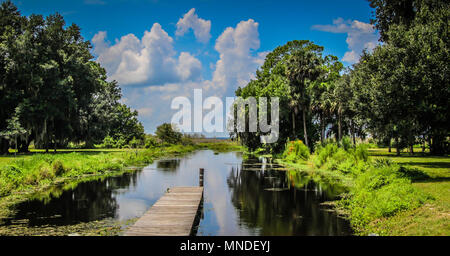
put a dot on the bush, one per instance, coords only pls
(296, 150)
(135, 143)
(186, 141)
(108, 142)
(346, 143)
(168, 134)
(381, 192)
(150, 141)
(323, 153)
(121, 143)
(58, 168)
(361, 152)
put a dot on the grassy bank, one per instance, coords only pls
(431, 218)
(26, 174)
(387, 195)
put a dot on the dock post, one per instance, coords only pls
(202, 172)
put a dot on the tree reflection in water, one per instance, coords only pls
(283, 203)
(87, 201)
(253, 197)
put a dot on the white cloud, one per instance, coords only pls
(149, 61)
(360, 36)
(237, 63)
(200, 26)
(164, 74)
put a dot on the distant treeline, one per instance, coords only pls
(52, 92)
(399, 93)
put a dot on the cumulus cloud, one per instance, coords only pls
(237, 63)
(360, 36)
(151, 61)
(147, 61)
(200, 26)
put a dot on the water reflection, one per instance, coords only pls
(251, 197)
(277, 202)
(168, 164)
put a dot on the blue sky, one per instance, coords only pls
(158, 50)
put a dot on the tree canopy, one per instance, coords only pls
(52, 86)
(400, 91)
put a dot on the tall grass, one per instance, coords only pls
(378, 188)
(44, 169)
(296, 151)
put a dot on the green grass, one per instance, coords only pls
(388, 194)
(221, 146)
(37, 169)
(433, 217)
(25, 174)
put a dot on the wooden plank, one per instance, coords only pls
(172, 215)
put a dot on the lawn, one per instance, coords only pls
(432, 218)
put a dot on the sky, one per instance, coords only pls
(158, 50)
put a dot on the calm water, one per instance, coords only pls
(240, 198)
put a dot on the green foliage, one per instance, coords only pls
(108, 142)
(401, 89)
(296, 151)
(44, 169)
(150, 141)
(297, 74)
(379, 189)
(381, 192)
(51, 85)
(186, 141)
(346, 143)
(167, 134)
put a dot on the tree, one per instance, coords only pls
(402, 87)
(50, 82)
(323, 102)
(168, 134)
(303, 67)
(388, 13)
(13, 131)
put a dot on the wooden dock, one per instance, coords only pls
(172, 215)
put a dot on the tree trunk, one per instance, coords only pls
(339, 126)
(352, 131)
(397, 145)
(23, 147)
(437, 144)
(411, 149)
(4, 146)
(423, 144)
(389, 145)
(293, 125)
(304, 128)
(322, 128)
(15, 141)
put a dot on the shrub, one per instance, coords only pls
(296, 150)
(346, 143)
(108, 142)
(120, 143)
(168, 134)
(381, 192)
(185, 141)
(58, 168)
(361, 152)
(323, 153)
(150, 142)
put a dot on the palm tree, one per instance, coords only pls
(303, 66)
